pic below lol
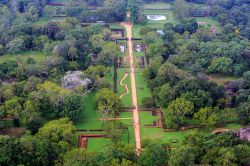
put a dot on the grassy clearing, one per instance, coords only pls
(233, 126)
(128, 137)
(89, 118)
(98, 144)
(158, 5)
(45, 20)
(141, 87)
(222, 80)
(127, 99)
(209, 22)
(155, 24)
(146, 118)
(22, 57)
(165, 137)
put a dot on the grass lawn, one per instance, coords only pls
(127, 99)
(89, 117)
(158, 5)
(141, 87)
(233, 126)
(128, 136)
(98, 144)
(89, 120)
(44, 20)
(157, 134)
(154, 24)
(146, 118)
(22, 57)
(209, 22)
(222, 80)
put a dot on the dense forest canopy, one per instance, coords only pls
(64, 73)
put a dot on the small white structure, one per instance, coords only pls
(156, 17)
(73, 79)
(122, 48)
(160, 32)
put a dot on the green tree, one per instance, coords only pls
(165, 95)
(15, 46)
(135, 9)
(116, 9)
(2, 51)
(154, 154)
(244, 111)
(183, 156)
(180, 9)
(14, 107)
(34, 151)
(177, 111)
(9, 150)
(107, 103)
(114, 130)
(246, 76)
(221, 65)
(72, 106)
(207, 116)
(51, 29)
(30, 111)
(60, 134)
(76, 157)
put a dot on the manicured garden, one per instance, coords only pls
(141, 88)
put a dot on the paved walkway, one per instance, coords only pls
(136, 119)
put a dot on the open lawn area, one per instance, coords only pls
(22, 57)
(209, 21)
(233, 126)
(89, 118)
(45, 20)
(157, 134)
(98, 144)
(128, 137)
(155, 24)
(146, 118)
(158, 5)
(127, 99)
(222, 80)
(141, 87)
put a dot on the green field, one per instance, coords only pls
(98, 144)
(89, 118)
(158, 5)
(141, 88)
(155, 24)
(127, 99)
(146, 118)
(157, 134)
(222, 80)
(22, 57)
(209, 22)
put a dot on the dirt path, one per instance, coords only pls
(136, 119)
(125, 86)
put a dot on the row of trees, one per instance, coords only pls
(52, 145)
(232, 14)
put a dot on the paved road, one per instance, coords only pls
(136, 118)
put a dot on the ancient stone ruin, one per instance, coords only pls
(244, 133)
(73, 79)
